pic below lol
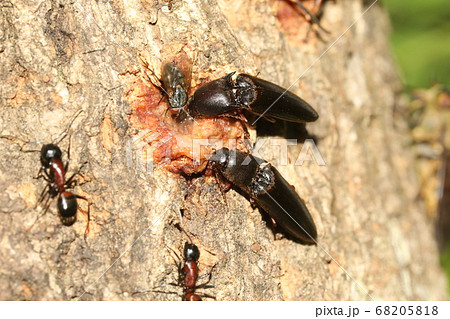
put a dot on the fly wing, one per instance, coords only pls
(186, 67)
(178, 71)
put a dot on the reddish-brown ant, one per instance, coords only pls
(188, 275)
(54, 172)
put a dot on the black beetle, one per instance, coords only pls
(249, 93)
(269, 190)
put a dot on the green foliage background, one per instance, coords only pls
(421, 40)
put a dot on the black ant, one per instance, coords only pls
(188, 275)
(54, 172)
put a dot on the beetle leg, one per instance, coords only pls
(269, 119)
(242, 117)
(274, 223)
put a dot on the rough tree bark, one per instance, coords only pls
(58, 57)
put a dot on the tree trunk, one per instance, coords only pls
(59, 57)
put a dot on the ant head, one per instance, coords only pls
(50, 152)
(191, 252)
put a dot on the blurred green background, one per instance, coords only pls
(421, 40)
(421, 45)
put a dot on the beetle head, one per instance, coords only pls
(220, 158)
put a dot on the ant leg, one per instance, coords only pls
(154, 289)
(45, 191)
(203, 276)
(175, 253)
(70, 181)
(206, 296)
(39, 174)
(179, 268)
(64, 133)
(208, 275)
(44, 195)
(88, 214)
(204, 286)
(176, 261)
(66, 167)
(44, 174)
(46, 206)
